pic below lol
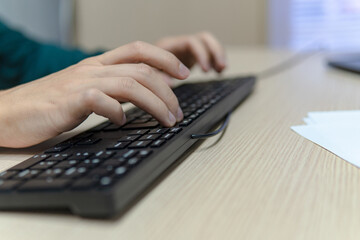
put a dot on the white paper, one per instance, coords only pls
(335, 117)
(338, 132)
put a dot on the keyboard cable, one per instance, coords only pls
(310, 50)
(293, 60)
(222, 128)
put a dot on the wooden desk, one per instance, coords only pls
(261, 181)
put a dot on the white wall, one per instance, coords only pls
(109, 23)
(44, 20)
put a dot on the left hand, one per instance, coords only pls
(202, 48)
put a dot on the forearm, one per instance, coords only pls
(4, 120)
(48, 59)
(23, 60)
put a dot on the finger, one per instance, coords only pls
(149, 78)
(167, 79)
(200, 52)
(146, 53)
(128, 89)
(216, 50)
(98, 102)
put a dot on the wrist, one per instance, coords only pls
(4, 121)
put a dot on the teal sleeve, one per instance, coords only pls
(23, 60)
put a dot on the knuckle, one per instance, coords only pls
(189, 41)
(81, 68)
(84, 61)
(90, 97)
(206, 34)
(138, 46)
(145, 69)
(91, 61)
(127, 84)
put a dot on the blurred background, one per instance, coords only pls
(92, 24)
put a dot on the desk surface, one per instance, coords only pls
(260, 181)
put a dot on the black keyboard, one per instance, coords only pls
(100, 172)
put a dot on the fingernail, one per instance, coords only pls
(179, 115)
(172, 119)
(123, 120)
(183, 70)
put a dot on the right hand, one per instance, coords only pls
(42, 109)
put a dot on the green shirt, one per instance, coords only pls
(23, 60)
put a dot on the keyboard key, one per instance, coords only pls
(8, 174)
(67, 164)
(114, 162)
(200, 111)
(44, 184)
(111, 127)
(150, 137)
(140, 144)
(183, 104)
(119, 146)
(90, 163)
(74, 172)
(159, 131)
(89, 141)
(120, 171)
(51, 173)
(59, 157)
(212, 101)
(151, 124)
(175, 130)
(207, 106)
(76, 139)
(31, 161)
(187, 113)
(144, 153)
(185, 122)
(133, 161)
(57, 149)
(193, 116)
(129, 154)
(158, 143)
(81, 155)
(139, 132)
(141, 120)
(43, 165)
(82, 136)
(26, 174)
(104, 154)
(8, 185)
(100, 127)
(167, 136)
(105, 181)
(130, 138)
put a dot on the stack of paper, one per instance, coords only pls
(338, 132)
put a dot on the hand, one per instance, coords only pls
(202, 48)
(42, 109)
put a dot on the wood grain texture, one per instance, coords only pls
(260, 181)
